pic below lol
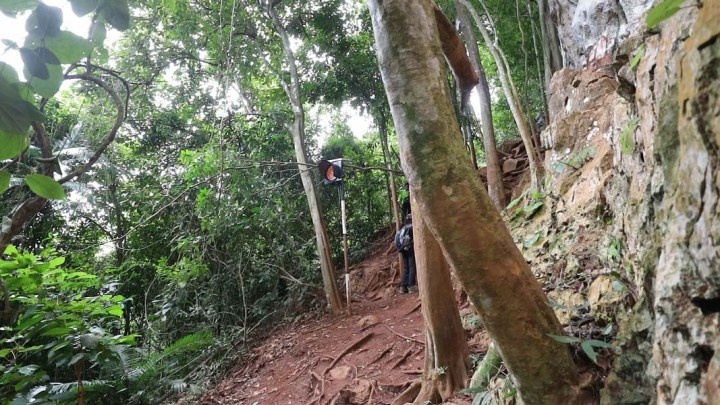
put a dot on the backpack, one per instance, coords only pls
(403, 239)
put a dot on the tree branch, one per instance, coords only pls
(119, 118)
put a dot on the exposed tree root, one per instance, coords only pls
(487, 369)
(415, 308)
(405, 355)
(409, 394)
(384, 352)
(403, 336)
(352, 346)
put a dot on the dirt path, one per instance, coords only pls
(366, 358)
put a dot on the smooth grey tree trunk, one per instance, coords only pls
(496, 189)
(510, 92)
(297, 128)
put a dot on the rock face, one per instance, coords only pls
(637, 148)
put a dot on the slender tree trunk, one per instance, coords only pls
(526, 88)
(496, 189)
(445, 345)
(297, 128)
(469, 137)
(552, 57)
(382, 125)
(538, 64)
(457, 209)
(510, 92)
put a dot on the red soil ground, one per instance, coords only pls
(368, 357)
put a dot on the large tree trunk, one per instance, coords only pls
(510, 92)
(297, 128)
(496, 189)
(457, 209)
(445, 345)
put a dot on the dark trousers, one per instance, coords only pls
(408, 276)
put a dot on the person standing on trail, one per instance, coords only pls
(404, 245)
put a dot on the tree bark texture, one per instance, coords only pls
(446, 351)
(496, 189)
(552, 57)
(510, 92)
(297, 128)
(457, 210)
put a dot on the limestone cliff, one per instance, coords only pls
(633, 165)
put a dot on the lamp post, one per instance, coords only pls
(332, 173)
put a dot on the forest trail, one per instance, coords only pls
(368, 357)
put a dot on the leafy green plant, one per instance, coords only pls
(61, 336)
(661, 12)
(614, 250)
(627, 141)
(637, 57)
(588, 346)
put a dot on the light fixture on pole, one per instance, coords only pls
(332, 173)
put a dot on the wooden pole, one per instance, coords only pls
(341, 190)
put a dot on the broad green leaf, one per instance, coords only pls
(10, 250)
(115, 310)
(4, 352)
(34, 64)
(530, 242)
(48, 88)
(44, 21)
(564, 339)
(47, 55)
(100, 55)
(129, 339)
(83, 7)
(45, 187)
(588, 349)
(117, 14)
(76, 358)
(531, 209)
(4, 181)
(8, 73)
(29, 369)
(661, 12)
(599, 343)
(170, 5)
(13, 6)
(58, 261)
(637, 57)
(11, 144)
(68, 47)
(57, 331)
(16, 113)
(98, 33)
(9, 44)
(627, 137)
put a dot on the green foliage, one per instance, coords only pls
(637, 57)
(45, 186)
(576, 160)
(63, 339)
(4, 181)
(662, 11)
(13, 6)
(83, 7)
(116, 13)
(588, 346)
(627, 141)
(61, 327)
